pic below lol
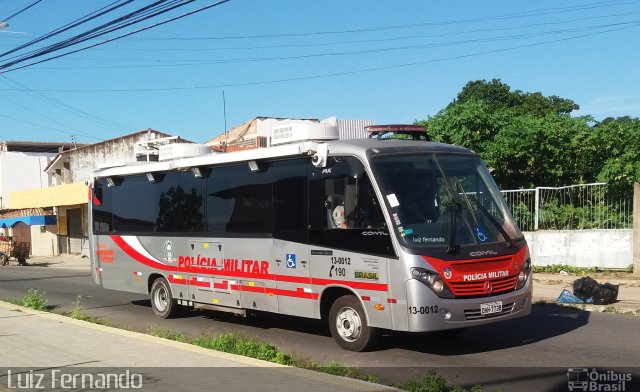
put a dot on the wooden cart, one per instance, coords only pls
(10, 248)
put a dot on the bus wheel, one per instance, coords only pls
(4, 260)
(349, 326)
(162, 302)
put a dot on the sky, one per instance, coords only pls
(385, 61)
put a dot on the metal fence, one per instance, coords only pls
(575, 207)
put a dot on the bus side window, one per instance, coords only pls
(343, 208)
(356, 207)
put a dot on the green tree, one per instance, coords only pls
(616, 146)
(527, 139)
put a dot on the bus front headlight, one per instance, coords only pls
(524, 274)
(432, 280)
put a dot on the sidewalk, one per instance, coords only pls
(58, 350)
(547, 287)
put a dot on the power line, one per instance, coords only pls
(20, 11)
(345, 73)
(75, 23)
(52, 101)
(345, 42)
(47, 127)
(521, 14)
(15, 62)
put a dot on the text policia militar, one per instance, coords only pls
(259, 267)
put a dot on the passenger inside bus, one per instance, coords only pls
(365, 215)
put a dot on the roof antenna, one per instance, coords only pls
(224, 111)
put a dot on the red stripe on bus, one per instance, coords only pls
(199, 283)
(223, 286)
(134, 254)
(253, 289)
(291, 293)
(354, 285)
(171, 279)
(118, 240)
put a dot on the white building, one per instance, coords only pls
(22, 166)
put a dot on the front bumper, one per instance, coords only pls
(461, 312)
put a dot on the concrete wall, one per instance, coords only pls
(21, 171)
(44, 243)
(581, 248)
(83, 161)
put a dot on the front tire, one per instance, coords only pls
(4, 259)
(349, 327)
(162, 302)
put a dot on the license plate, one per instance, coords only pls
(491, 308)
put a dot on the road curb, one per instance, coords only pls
(351, 383)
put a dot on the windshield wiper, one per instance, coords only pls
(493, 220)
(454, 208)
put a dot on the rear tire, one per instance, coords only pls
(162, 302)
(4, 259)
(349, 327)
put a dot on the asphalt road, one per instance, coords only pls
(533, 353)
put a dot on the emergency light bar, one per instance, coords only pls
(398, 131)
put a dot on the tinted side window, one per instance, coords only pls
(344, 211)
(180, 200)
(290, 199)
(239, 201)
(102, 216)
(134, 205)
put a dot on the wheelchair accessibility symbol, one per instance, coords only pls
(480, 235)
(291, 260)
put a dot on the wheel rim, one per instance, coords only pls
(160, 299)
(348, 324)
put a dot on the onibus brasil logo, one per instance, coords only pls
(583, 379)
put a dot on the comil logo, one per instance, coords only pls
(583, 379)
(484, 253)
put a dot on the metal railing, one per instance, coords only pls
(574, 207)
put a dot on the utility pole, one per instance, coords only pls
(636, 228)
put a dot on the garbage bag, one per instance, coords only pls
(605, 294)
(584, 288)
(566, 297)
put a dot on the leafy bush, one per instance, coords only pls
(35, 299)
(433, 382)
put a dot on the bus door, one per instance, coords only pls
(350, 242)
(290, 258)
(294, 291)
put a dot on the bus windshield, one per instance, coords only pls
(444, 200)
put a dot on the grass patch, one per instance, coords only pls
(77, 313)
(556, 268)
(236, 344)
(34, 299)
(433, 382)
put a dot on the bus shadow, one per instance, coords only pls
(544, 322)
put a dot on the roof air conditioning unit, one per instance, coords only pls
(182, 150)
